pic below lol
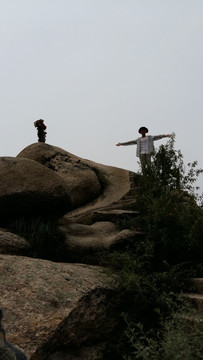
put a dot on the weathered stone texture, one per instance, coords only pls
(51, 305)
(81, 180)
(27, 187)
(12, 244)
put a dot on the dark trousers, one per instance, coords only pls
(145, 160)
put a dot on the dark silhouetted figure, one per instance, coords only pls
(9, 351)
(41, 127)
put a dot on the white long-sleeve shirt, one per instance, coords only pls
(151, 139)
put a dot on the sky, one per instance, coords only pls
(97, 70)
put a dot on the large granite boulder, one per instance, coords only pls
(82, 181)
(28, 188)
(57, 310)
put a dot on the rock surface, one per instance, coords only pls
(12, 244)
(27, 187)
(81, 179)
(97, 213)
(99, 236)
(84, 243)
(59, 311)
(50, 306)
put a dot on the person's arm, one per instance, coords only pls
(132, 142)
(158, 137)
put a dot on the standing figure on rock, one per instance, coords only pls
(41, 127)
(145, 146)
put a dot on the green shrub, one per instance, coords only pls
(151, 273)
(180, 338)
(169, 209)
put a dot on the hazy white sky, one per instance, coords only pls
(97, 70)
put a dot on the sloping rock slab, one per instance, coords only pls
(12, 244)
(86, 243)
(99, 236)
(27, 187)
(52, 306)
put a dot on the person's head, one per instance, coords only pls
(38, 122)
(143, 130)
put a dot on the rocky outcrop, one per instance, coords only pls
(94, 190)
(28, 188)
(59, 311)
(98, 201)
(54, 308)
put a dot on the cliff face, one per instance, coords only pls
(61, 310)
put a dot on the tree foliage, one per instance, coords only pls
(170, 207)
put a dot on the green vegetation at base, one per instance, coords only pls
(151, 272)
(178, 338)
